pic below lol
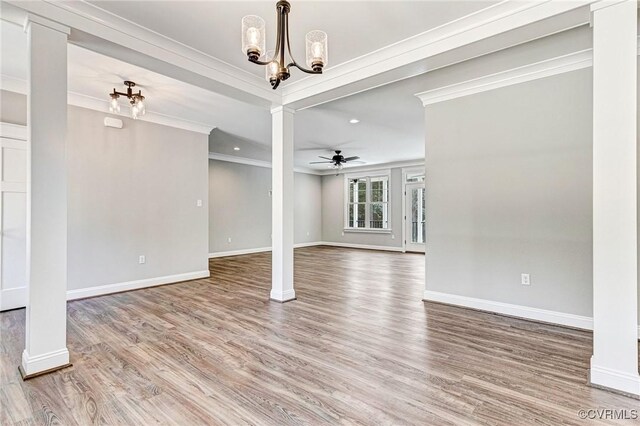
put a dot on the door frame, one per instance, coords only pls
(406, 171)
(12, 136)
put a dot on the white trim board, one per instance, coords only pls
(537, 70)
(299, 245)
(13, 131)
(547, 68)
(134, 285)
(519, 311)
(361, 246)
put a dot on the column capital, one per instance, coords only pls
(282, 108)
(31, 19)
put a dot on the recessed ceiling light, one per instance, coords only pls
(235, 148)
(354, 121)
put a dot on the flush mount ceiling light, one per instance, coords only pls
(354, 121)
(277, 69)
(236, 148)
(136, 100)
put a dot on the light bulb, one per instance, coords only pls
(141, 107)
(274, 67)
(317, 50)
(134, 111)
(113, 105)
(253, 37)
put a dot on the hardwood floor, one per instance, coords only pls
(357, 347)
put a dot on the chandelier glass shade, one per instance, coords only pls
(279, 60)
(136, 101)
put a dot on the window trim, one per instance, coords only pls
(345, 211)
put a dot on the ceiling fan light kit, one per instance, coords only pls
(136, 100)
(277, 68)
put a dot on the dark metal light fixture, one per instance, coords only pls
(136, 100)
(253, 45)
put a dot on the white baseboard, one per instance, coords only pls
(258, 250)
(314, 243)
(361, 246)
(13, 298)
(311, 244)
(134, 285)
(238, 252)
(36, 364)
(543, 315)
(536, 314)
(614, 379)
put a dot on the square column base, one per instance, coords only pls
(282, 297)
(614, 380)
(43, 364)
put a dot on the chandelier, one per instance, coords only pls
(136, 100)
(277, 69)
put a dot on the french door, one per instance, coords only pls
(414, 224)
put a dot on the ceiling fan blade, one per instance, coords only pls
(326, 158)
(352, 158)
(320, 162)
(357, 162)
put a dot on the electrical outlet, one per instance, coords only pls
(199, 203)
(307, 233)
(525, 279)
(229, 239)
(343, 233)
(142, 259)
(393, 237)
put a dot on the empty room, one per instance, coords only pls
(312, 212)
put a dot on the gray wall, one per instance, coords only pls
(333, 213)
(132, 192)
(240, 207)
(509, 191)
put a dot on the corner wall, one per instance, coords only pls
(240, 208)
(509, 191)
(132, 192)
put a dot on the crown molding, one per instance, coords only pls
(546, 68)
(256, 163)
(491, 21)
(549, 67)
(101, 105)
(16, 85)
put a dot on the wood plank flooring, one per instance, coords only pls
(357, 347)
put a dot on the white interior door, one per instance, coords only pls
(414, 224)
(13, 216)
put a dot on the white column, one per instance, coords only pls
(282, 205)
(46, 321)
(615, 252)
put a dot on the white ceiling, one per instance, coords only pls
(354, 28)
(391, 126)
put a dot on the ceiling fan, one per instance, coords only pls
(338, 160)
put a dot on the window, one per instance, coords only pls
(367, 204)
